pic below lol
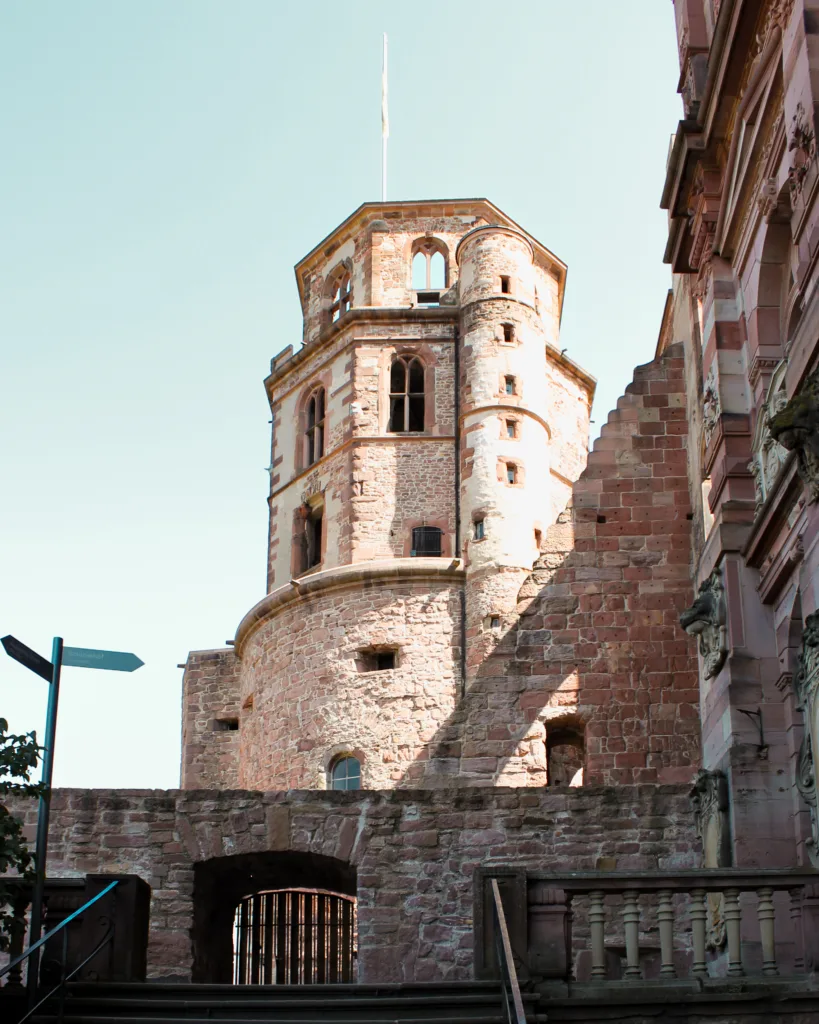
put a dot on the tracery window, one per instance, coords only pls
(345, 773)
(341, 295)
(314, 432)
(406, 395)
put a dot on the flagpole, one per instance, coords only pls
(385, 123)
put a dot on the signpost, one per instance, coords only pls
(81, 657)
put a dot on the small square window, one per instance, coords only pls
(508, 332)
(382, 660)
(226, 725)
(511, 473)
(494, 622)
(505, 285)
(480, 529)
(509, 385)
(511, 428)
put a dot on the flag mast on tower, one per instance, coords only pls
(385, 123)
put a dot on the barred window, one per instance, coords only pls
(426, 542)
(406, 395)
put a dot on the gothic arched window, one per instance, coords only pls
(314, 431)
(406, 395)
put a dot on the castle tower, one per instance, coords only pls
(423, 435)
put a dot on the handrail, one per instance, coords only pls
(36, 945)
(60, 986)
(506, 962)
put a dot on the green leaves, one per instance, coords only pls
(19, 757)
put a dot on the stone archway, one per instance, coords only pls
(222, 883)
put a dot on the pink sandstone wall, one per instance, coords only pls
(414, 852)
(596, 638)
(210, 754)
(311, 699)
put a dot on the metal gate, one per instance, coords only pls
(295, 937)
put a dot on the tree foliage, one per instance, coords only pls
(19, 757)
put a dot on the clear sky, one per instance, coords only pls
(164, 165)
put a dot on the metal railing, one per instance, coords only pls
(665, 893)
(65, 975)
(513, 1003)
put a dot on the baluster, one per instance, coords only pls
(597, 918)
(631, 921)
(796, 927)
(569, 939)
(665, 918)
(733, 916)
(765, 910)
(14, 979)
(699, 915)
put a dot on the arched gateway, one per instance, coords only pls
(274, 918)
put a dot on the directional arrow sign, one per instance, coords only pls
(14, 648)
(113, 661)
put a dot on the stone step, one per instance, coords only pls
(156, 1003)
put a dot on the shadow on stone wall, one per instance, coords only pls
(596, 640)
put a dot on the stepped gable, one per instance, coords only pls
(596, 641)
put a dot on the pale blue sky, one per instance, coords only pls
(164, 165)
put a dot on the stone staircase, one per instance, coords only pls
(158, 1003)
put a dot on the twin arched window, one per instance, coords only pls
(314, 431)
(406, 395)
(428, 267)
(341, 295)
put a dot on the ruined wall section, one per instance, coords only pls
(596, 640)
(210, 707)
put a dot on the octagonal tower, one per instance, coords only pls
(425, 434)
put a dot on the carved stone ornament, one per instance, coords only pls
(768, 454)
(802, 144)
(767, 197)
(807, 685)
(709, 801)
(711, 408)
(796, 427)
(705, 619)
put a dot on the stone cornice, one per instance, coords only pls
(345, 577)
(353, 317)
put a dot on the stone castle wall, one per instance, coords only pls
(309, 693)
(414, 854)
(211, 704)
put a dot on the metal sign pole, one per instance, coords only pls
(43, 814)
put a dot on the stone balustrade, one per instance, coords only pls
(673, 905)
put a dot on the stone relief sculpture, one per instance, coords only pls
(796, 427)
(807, 693)
(768, 454)
(711, 408)
(802, 144)
(709, 801)
(706, 619)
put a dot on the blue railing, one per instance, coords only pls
(65, 976)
